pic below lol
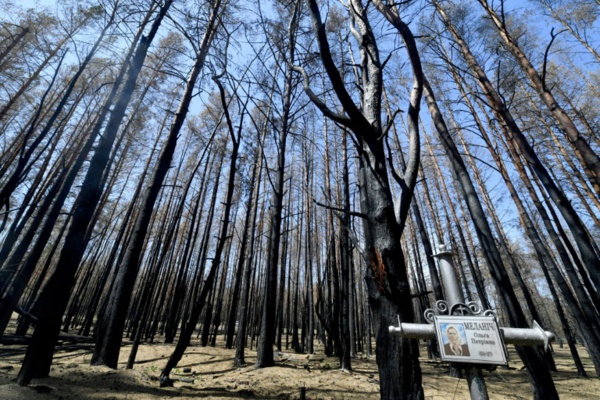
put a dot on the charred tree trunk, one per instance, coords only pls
(510, 128)
(240, 270)
(187, 331)
(346, 288)
(26, 155)
(56, 292)
(539, 374)
(264, 357)
(244, 311)
(108, 338)
(387, 280)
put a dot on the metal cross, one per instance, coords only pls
(454, 304)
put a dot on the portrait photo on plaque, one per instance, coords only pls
(470, 339)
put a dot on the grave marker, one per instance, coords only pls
(466, 334)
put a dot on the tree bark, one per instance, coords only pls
(540, 378)
(387, 280)
(586, 155)
(56, 292)
(108, 338)
(264, 356)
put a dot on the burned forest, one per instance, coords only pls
(328, 185)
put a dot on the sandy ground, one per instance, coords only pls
(212, 376)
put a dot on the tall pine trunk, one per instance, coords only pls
(264, 357)
(58, 288)
(186, 333)
(386, 275)
(108, 338)
(541, 380)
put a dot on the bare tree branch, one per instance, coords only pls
(341, 119)
(330, 207)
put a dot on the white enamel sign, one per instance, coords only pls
(468, 339)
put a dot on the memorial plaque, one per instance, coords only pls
(468, 339)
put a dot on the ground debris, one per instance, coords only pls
(209, 373)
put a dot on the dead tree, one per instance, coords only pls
(387, 280)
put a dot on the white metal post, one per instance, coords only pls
(454, 295)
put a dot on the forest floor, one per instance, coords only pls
(213, 376)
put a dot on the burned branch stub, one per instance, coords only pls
(467, 335)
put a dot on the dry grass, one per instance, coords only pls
(212, 376)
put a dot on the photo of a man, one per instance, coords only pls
(455, 342)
